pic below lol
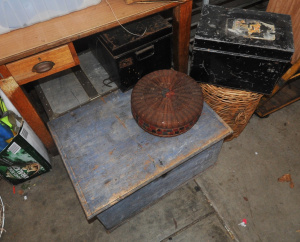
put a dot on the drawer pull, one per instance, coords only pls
(43, 66)
(145, 53)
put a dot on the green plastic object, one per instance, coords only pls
(3, 106)
(5, 118)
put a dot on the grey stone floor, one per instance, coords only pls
(244, 182)
(241, 185)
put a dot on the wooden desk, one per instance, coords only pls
(117, 168)
(43, 36)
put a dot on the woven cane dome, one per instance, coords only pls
(166, 103)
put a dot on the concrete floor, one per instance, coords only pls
(241, 185)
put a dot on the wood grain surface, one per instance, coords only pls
(108, 156)
(62, 30)
(291, 7)
(181, 32)
(151, 193)
(287, 95)
(62, 57)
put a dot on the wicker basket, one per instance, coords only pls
(166, 103)
(235, 107)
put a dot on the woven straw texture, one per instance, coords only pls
(235, 107)
(166, 103)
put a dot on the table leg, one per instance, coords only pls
(18, 98)
(182, 15)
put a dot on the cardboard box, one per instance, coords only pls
(24, 158)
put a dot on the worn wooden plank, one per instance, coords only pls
(291, 7)
(108, 156)
(62, 57)
(147, 1)
(63, 92)
(4, 72)
(181, 32)
(85, 82)
(95, 72)
(62, 30)
(69, 89)
(150, 193)
(208, 229)
(280, 84)
(287, 95)
(172, 214)
(74, 53)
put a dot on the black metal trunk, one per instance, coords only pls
(127, 57)
(242, 49)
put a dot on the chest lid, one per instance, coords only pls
(146, 30)
(245, 31)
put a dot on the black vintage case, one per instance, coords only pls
(127, 57)
(242, 49)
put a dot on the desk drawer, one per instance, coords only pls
(43, 64)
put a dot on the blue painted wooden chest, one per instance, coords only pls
(117, 168)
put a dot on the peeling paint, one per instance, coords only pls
(102, 99)
(10, 86)
(112, 151)
(120, 121)
(147, 163)
(241, 49)
(249, 28)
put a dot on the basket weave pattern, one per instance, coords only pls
(235, 107)
(166, 103)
